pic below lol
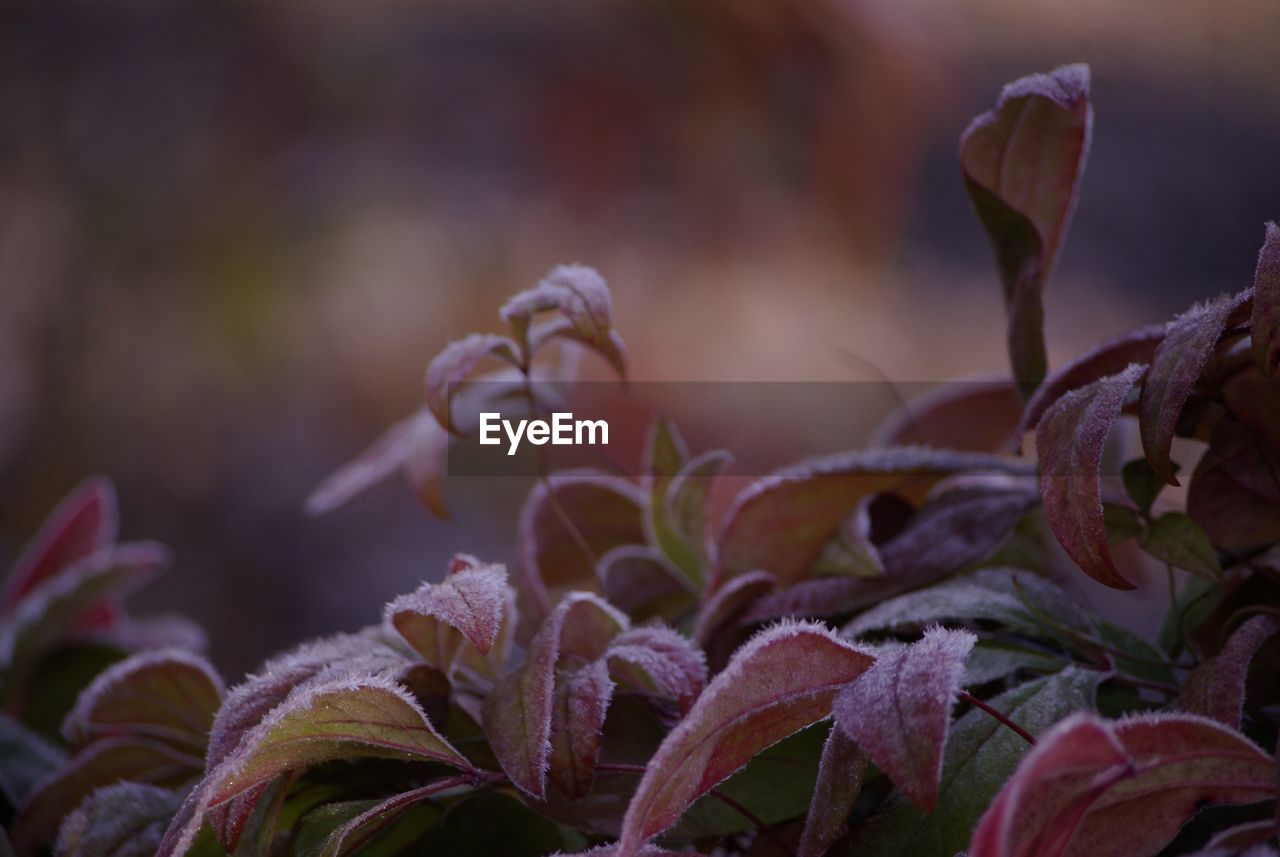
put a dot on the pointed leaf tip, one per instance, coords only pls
(1265, 322)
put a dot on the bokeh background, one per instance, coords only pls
(233, 234)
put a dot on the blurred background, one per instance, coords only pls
(233, 234)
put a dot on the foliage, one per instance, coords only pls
(655, 679)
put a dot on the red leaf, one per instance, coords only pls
(840, 775)
(659, 661)
(1022, 163)
(84, 522)
(977, 416)
(1176, 365)
(641, 583)
(1216, 688)
(580, 703)
(727, 603)
(778, 683)
(1265, 323)
(468, 604)
(1069, 441)
(899, 710)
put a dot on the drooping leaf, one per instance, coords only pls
(1129, 787)
(975, 416)
(456, 362)
(1069, 440)
(380, 835)
(28, 758)
(1264, 326)
(1216, 688)
(168, 695)
(1177, 539)
(416, 446)
(658, 661)
(518, 713)
(1022, 163)
(580, 295)
(723, 606)
(782, 522)
(839, 782)
(781, 681)
(467, 606)
(1176, 365)
(899, 710)
(121, 820)
(353, 835)
(981, 754)
(82, 524)
(579, 705)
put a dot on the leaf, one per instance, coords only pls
(1216, 688)
(981, 754)
(665, 453)
(1176, 365)
(782, 522)
(168, 695)
(992, 660)
(1130, 786)
(840, 777)
(468, 605)
(28, 758)
(357, 832)
(781, 681)
(658, 661)
(605, 512)
(416, 446)
(641, 583)
(680, 522)
(1178, 540)
(491, 825)
(977, 416)
(448, 371)
(518, 713)
(578, 710)
(122, 820)
(899, 710)
(1264, 324)
(1141, 483)
(82, 524)
(1069, 440)
(1022, 163)
(580, 295)
(723, 606)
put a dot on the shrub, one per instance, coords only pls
(796, 677)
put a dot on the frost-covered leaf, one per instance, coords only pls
(582, 298)
(611, 850)
(468, 606)
(168, 695)
(357, 832)
(456, 362)
(82, 524)
(722, 607)
(641, 583)
(781, 681)
(1177, 539)
(977, 416)
(1022, 163)
(28, 758)
(579, 705)
(1069, 440)
(997, 659)
(840, 775)
(1264, 325)
(518, 713)
(1122, 789)
(1175, 367)
(122, 820)
(605, 512)
(899, 710)
(416, 446)
(1251, 835)
(981, 754)
(782, 522)
(1216, 688)
(658, 661)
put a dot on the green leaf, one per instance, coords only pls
(327, 829)
(1141, 483)
(491, 825)
(1121, 522)
(1178, 540)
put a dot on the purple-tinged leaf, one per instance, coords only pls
(1232, 494)
(680, 523)
(723, 607)
(82, 524)
(658, 661)
(416, 446)
(1251, 835)
(468, 606)
(781, 681)
(1265, 323)
(603, 512)
(609, 346)
(517, 714)
(781, 523)
(840, 775)
(102, 763)
(450, 369)
(579, 705)
(1175, 538)
(122, 820)
(978, 415)
(1107, 358)
(1216, 688)
(1022, 163)
(169, 695)
(28, 758)
(612, 851)
(1069, 440)
(1176, 365)
(580, 295)
(899, 710)
(357, 833)
(641, 583)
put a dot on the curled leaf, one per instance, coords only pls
(1069, 440)
(1264, 325)
(978, 416)
(450, 369)
(899, 710)
(727, 603)
(1216, 688)
(840, 775)
(781, 681)
(356, 833)
(658, 661)
(641, 583)
(1022, 163)
(580, 295)
(468, 605)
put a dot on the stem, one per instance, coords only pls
(998, 715)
